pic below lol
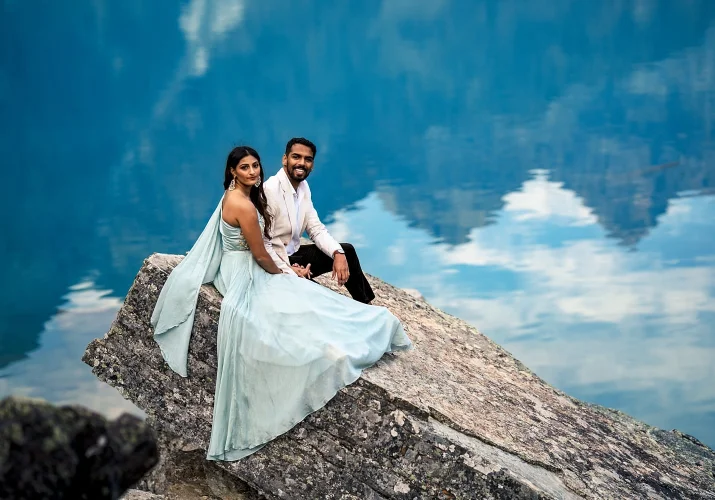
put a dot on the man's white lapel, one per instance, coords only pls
(288, 199)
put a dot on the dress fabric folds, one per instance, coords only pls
(285, 344)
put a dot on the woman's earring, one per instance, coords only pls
(232, 186)
(258, 183)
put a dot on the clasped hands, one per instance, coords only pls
(341, 273)
(301, 271)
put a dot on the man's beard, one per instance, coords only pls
(292, 175)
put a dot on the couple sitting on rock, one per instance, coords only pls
(285, 344)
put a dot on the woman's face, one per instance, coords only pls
(248, 171)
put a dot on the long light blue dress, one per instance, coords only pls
(286, 345)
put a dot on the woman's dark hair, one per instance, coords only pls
(258, 196)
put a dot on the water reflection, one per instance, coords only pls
(625, 329)
(55, 372)
(513, 149)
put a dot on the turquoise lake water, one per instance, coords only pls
(543, 169)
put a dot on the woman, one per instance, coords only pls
(285, 345)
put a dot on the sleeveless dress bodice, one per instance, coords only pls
(232, 239)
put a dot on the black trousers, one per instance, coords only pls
(320, 263)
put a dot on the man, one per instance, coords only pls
(290, 203)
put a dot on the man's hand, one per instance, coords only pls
(340, 268)
(303, 272)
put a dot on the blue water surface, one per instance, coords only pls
(543, 169)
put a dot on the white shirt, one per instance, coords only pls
(294, 243)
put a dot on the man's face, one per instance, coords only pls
(298, 164)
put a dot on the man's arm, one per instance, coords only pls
(318, 232)
(322, 239)
(327, 244)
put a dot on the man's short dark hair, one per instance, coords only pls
(302, 141)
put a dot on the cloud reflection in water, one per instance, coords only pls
(589, 316)
(54, 372)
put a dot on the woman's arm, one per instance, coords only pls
(244, 213)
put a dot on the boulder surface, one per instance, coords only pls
(458, 417)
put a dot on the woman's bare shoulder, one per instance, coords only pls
(236, 206)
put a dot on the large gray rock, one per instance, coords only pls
(70, 452)
(458, 417)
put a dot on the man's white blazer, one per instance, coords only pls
(281, 205)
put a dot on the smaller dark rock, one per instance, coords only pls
(70, 452)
